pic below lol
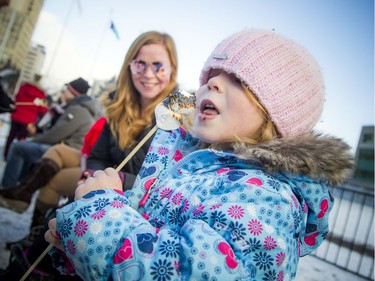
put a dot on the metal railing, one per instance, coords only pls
(350, 242)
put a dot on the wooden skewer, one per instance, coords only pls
(119, 167)
(36, 101)
(29, 103)
(36, 262)
(139, 145)
(25, 103)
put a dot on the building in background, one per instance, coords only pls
(100, 86)
(363, 175)
(17, 23)
(34, 62)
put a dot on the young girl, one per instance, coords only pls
(241, 200)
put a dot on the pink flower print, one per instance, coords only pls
(98, 215)
(295, 201)
(280, 258)
(280, 276)
(183, 132)
(269, 243)
(216, 206)
(186, 206)
(236, 212)
(166, 192)
(177, 156)
(176, 265)
(117, 204)
(304, 208)
(80, 228)
(198, 210)
(203, 255)
(163, 151)
(177, 198)
(255, 227)
(71, 247)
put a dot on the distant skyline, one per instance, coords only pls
(339, 34)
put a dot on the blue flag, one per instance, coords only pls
(114, 29)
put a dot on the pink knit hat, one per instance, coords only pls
(282, 74)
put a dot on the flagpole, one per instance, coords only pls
(100, 44)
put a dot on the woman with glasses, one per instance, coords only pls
(148, 75)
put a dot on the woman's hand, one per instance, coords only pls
(51, 235)
(108, 178)
(31, 129)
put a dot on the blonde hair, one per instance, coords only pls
(265, 133)
(125, 116)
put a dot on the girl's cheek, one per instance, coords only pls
(199, 93)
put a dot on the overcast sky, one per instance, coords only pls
(339, 34)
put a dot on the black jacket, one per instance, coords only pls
(106, 153)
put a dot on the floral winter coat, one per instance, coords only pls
(207, 214)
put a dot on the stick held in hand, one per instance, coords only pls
(172, 112)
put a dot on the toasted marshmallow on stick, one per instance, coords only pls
(37, 102)
(175, 111)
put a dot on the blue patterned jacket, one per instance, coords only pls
(202, 214)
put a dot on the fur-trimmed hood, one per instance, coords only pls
(317, 156)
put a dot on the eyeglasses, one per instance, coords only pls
(139, 67)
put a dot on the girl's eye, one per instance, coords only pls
(213, 73)
(237, 81)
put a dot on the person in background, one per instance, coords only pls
(6, 102)
(148, 75)
(27, 111)
(241, 197)
(52, 186)
(49, 119)
(70, 129)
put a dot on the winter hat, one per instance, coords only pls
(282, 74)
(78, 86)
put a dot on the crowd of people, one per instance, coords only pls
(240, 196)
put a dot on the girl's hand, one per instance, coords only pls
(51, 235)
(85, 174)
(108, 178)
